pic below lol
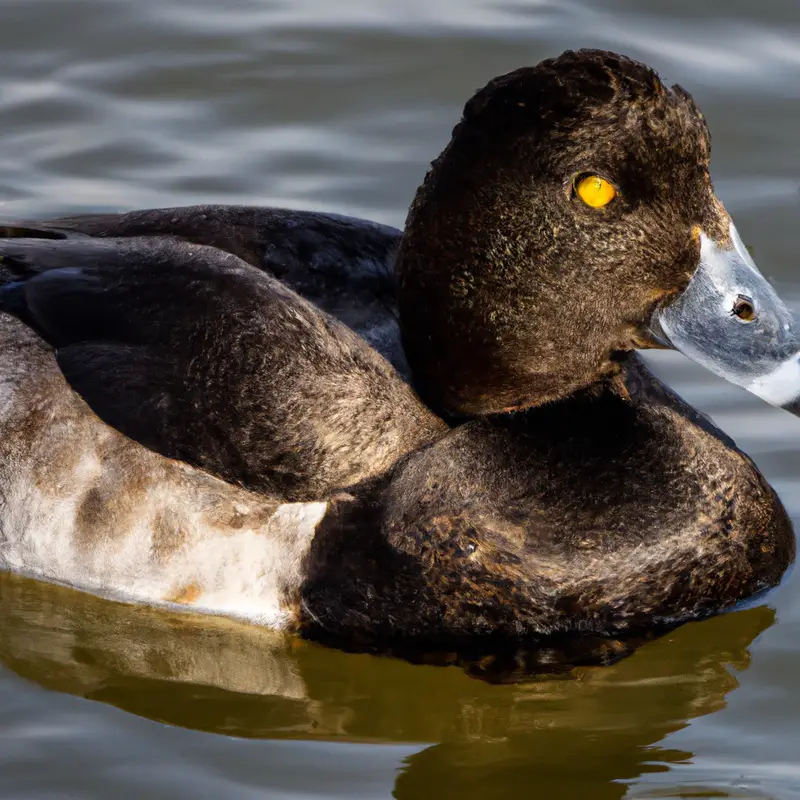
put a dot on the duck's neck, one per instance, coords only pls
(475, 346)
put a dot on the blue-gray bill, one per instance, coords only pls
(730, 320)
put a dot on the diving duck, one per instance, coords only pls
(432, 437)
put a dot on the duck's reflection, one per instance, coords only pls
(581, 735)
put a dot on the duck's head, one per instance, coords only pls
(572, 218)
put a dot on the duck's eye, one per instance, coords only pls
(743, 308)
(594, 190)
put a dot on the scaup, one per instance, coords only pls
(426, 440)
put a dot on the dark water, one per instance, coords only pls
(108, 104)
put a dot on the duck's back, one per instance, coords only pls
(343, 265)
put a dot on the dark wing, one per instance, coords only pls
(199, 356)
(343, 265)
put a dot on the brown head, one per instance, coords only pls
(571, 204)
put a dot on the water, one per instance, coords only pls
(107, 104)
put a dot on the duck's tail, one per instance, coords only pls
(22, 229)
(13, 264)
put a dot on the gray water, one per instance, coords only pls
(108, 104)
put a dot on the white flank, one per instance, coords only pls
(83, 506)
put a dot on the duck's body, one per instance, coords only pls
(220, 406)
(627, 500)
(92, 508)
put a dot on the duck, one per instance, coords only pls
(429, 439)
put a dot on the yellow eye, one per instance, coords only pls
(743, 308)
(594, 190)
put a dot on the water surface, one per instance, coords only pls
(106, 104)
